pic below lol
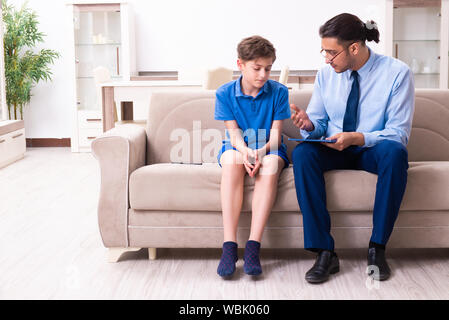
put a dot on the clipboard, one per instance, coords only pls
(314, 140)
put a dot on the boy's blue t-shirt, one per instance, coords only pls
(254, 115)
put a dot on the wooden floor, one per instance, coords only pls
(50, 248)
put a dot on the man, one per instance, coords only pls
(366, 102)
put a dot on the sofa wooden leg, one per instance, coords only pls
(115, 253)
(152, 253)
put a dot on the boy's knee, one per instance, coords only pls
(271, 164)
(231, 157)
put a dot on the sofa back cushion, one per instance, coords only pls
(181, 126)
(429, 138)
(178, 121)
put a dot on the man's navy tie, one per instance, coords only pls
(350, 119)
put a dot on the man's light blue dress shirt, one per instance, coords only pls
(386, 103)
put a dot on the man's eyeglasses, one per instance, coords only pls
(329, 56)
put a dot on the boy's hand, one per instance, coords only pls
(251, 161)
(301, 119)
(247, 161)
(257, 164)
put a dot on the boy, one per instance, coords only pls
(256, 107)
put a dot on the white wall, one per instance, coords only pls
(172, 34)
(48, 114)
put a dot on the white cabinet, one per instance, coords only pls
(12, 146)
(420, 37)
(102, 34)
(90, 126)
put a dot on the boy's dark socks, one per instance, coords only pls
(251, 256)
(229, 257)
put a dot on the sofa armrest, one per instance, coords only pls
(119, 151)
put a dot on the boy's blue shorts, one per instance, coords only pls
(280, 152)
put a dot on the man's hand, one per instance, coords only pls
(345, 139)
(301, 119)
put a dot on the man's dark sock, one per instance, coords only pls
(229, 257)
(252, 263)
(321, 250)
(376, 245)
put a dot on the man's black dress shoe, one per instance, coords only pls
(326, 263)
(377, 264)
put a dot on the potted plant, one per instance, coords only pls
(24, 68)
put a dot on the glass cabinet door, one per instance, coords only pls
(416, 41)
(97, 43)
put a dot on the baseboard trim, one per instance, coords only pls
(48, 142)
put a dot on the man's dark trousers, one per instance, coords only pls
(388, 159)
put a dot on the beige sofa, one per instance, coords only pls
(146, 201)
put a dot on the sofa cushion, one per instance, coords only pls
(189, 187)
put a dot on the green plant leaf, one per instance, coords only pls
(24, 67)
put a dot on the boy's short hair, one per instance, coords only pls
(255, 47)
